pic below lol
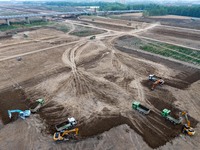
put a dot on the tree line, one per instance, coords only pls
(149, 9)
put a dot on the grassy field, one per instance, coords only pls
(163, 49)
(85, 31)
(62, 27)
(176, 52)
(18, 25)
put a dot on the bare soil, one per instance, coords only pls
(94, 81)
(12, 99)
(167, 20)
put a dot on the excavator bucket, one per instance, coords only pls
(9, 114)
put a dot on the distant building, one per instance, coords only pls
(89, 8)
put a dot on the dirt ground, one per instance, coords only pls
(96, 81)
(169, 20)
(178, 36)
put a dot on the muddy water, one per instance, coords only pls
(11, 99)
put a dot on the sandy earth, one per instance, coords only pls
(95, 82)
(169, 20)
(172, 17)
(178, 36)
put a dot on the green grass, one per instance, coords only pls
(85, 31)
(187, 51)
(62, 27)
(82, 33)
(18, 25)
(176, 52)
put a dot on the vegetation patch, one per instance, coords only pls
(86, 31)
(175, 52)
(18, 25)
(166, 50)
(62, 27)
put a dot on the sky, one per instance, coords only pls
(115, 0)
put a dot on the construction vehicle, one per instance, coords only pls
(66, 135)
(166, 114)
(22, 114)
(35, 108)
(92, 37)
(19, 58)
(69, 124)
(157, 81)
(142, 109)
(186, 127)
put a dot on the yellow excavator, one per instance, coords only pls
(66, 135)
(186, 127)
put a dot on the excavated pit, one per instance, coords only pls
(9, 100)
(181, 81)
(109, 90)
(160, 104)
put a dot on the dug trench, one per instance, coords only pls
(183, 80)
(11, 99)
(154, 129)
(164, 99)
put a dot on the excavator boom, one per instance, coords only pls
(70, 131)
(22, 114)
(156, 80)
(66, 135)
(186, 118)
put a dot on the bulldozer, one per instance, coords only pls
(66, 135)
(187, 129)
(157, 81)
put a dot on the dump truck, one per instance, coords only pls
(69, 124)
(35, 108)
(166, 114)
(142, 109)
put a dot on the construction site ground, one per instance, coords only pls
(169, 20)
(95, 81)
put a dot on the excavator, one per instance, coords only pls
(186, 127)
(156, 80)
(66, 135)
(22, 114)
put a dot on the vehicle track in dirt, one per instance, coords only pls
(99, 92)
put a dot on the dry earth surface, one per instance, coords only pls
(96, 81)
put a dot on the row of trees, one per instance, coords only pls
(149, 9)
(192, 11)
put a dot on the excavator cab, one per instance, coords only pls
(57, 137)
(188, 130)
